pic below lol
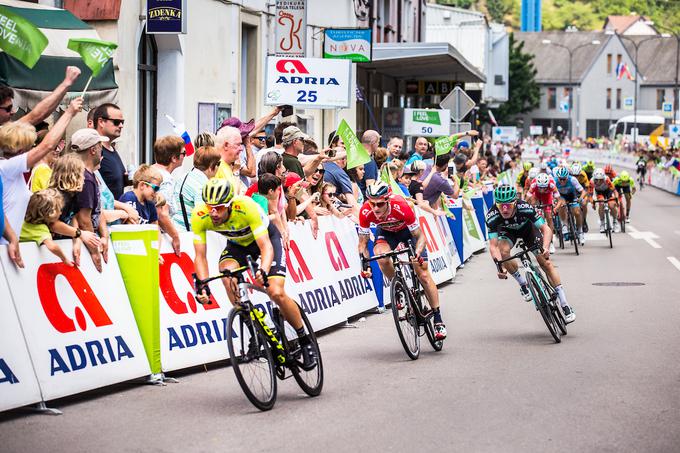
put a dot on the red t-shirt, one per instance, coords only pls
(399, 215)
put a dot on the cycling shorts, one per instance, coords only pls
(569, 197)
(530, 237)
(239, 253)
(605, 195)
(624, 189)
(394, 238)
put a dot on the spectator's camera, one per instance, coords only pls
(339, 204)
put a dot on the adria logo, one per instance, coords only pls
(46, 281)
(291, 67)
(429, 237)
(176, 303)
(300, 272)
(335, 252)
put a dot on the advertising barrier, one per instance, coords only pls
(77, 322)
(18, 384)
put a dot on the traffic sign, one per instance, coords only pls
(459, 103)
(667, 109)
(628, 103)
(674, 131)
(505, 134)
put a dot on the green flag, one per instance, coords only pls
(20, 38)
(356, 153)
(444, 145)
(94, 53)
(504, 178)
(386, 176)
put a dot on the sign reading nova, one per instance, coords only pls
(308, 82)
(349, 43)
(426, 122)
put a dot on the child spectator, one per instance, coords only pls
(44, 208)
(146, 183)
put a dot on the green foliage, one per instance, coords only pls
(524, 94)
(499, 9)
(458, 3)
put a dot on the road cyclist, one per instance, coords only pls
(641, 169)
(625, 186)
(604, 190)
(571, 194)
(542, 194)
(576, 170)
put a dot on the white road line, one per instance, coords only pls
(646, 236)
(595, 237)
(674, 261)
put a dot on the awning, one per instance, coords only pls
(32, 85)
(423, 61)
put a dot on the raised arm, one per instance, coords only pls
(54, 135)
(50, 103)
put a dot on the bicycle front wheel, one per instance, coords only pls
(608, 226)
(252, 359)
(572, 231)
(542, 303)
(405, 318)
(310, 381)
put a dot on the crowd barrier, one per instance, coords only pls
(66, 330)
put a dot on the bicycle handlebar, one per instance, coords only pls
(524, 251)
(390, 254)
(251, 266)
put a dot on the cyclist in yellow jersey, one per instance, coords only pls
(248, 231)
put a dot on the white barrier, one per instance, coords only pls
(18, 384)
(77, 323)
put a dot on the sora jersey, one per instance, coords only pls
(521, 224)
(246, 223)
(399, 216)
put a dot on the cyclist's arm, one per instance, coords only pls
(420, 240)
(547, 235)
(363, 245)
(266, 252)
(200, 261)
(493, 248)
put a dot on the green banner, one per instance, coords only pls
(444, 145)
(470, 223)
(20, 38)
(136, 250)
(426, 116)
(356, 153)
(94, 53)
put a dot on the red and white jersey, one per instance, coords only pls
(399, 215)
(546, 195)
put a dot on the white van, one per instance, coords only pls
(646, 125)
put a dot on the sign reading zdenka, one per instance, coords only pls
(308, 82)
(426, 122)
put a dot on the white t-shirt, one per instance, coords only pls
(16, 192)
(167, 188)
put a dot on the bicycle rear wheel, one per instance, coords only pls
(405, 318)
(558, 230)
(252, 359)
(558, 315)
(572, 231)
(543, 307)
(310, 381)
(608, 228)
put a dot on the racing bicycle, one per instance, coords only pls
(412, 317)
(571, 224)
(608, 229)
(264, 348)
(542, 292)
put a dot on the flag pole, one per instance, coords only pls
(87, 85)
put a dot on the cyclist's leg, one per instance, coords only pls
(381, 246)
(613, 207)
(229, 259)
(576, 209)
(629, 200)
(561, 203)
(600, 207)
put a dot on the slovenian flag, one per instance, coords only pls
(180, 130)
(622, 70)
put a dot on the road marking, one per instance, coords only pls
(674, 261)
(646, 236)
(595, 237)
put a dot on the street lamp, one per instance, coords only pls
(636, 45)
(571, 51)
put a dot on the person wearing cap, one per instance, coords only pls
(293, 145)
(87, 143)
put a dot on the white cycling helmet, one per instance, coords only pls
(542, 181)
(533, 173)
(599, 174)
(543, 165)
(575, 169)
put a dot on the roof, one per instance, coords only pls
(552, 63)
(656, 58)
(622, 23)
(423, 61)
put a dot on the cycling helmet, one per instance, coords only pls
(598, 174)
(542, 181)
(575, 169)
(624, 176)
(608, 168)
(505, 194)
(528, 166)
(533, 173)
(218, 191)
(561, 172)
(543, 165)
(378, 190)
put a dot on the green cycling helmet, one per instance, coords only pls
(527, 166)
(505, 194)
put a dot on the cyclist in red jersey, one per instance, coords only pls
(396, 223)
(543, 192)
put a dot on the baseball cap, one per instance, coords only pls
(83, 139)
(293, 133)
(291, 178)
(244, 128)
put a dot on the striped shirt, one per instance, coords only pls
(192, 194)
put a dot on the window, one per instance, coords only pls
(565, 95)
(660, 98)
(618, 98)
(147, 72)
(618, 59)
(609, 98)
(552, 98)
(609, 63)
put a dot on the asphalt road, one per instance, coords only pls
(499, 385)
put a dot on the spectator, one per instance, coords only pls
(268, 194)
(395, 148)
(40, 176)
(187, 193)
(439, 182)
(169, 155)
(44, 208)
(204, 139)
(146, 184)
(15, 139)
(315, 180)
(311, 148)
(44, 108)
(108, 121)
(371, 141)
(396, 168)
(380, 156)
(270, 142)
(293, 144)
(228, 142)
(421, 147)
(335, 175)
(329, 204)
(356, 175)
(410, 178)
(244, 165)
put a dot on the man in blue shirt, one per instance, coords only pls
(371, 141)
(420, 147)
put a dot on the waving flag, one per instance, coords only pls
(95, 53)
(20, 38)
(356, 153)
(180, 130)
(386, 176)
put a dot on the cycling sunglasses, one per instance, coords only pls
(114, 121)
(155, 187)
(217, 207)
(377, 204)
(508, 205)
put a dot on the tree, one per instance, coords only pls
(457, 3)
(524, 95)
(498, 9)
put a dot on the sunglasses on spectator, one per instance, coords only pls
(261, 138)
(8, 109)
(114, 121)
(330, 194)
(377, 204)
(155, 187)
(320, 171)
